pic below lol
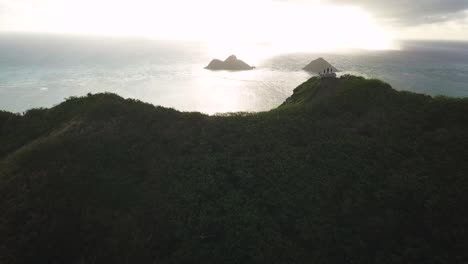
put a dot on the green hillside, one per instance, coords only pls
(345, 171)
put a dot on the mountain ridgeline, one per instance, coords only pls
(347, 170)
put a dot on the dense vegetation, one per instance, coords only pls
(345, 171)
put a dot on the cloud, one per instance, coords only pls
(409, 12)
(405, 12)
(257, 19)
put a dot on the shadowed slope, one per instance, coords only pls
(345, 171)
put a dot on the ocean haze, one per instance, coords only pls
(41, 70)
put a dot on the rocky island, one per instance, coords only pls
(319, 66)
(230, 64)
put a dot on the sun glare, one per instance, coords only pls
(293, 27)
(225, 25)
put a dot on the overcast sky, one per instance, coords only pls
(427, 19)
(417, 19)
(416, 12)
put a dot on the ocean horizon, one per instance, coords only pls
(42, 70)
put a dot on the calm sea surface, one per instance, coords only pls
(40, 71)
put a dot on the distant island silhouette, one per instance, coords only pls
(230, 64)
(320, 66)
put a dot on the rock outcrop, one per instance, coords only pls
(230, 64)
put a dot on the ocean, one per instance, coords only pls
(42, 70)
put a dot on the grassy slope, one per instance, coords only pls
(345, 171)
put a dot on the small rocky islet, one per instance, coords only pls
(230, 64)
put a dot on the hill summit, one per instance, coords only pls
(347, 170)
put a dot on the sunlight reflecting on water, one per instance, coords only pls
(45, 71)
(226, 91)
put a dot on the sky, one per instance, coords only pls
(293, 24)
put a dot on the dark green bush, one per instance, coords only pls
(345, 171)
